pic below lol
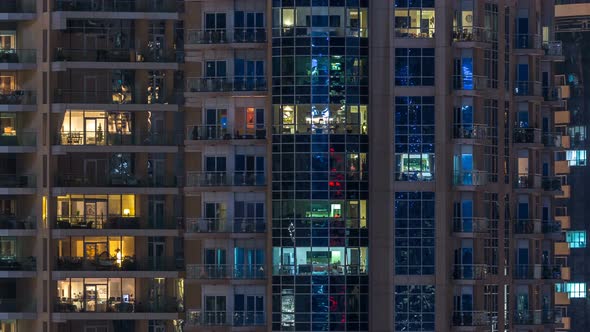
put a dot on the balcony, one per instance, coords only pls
(217, 225)
(555, 96)
(15, 184)
(115, 305)
(111, 184)
(319, 269)
(537, 317)
(551, 184)
(197, 318)
(198, 136)
(528, 43)
(116, 59)
(534, 226)
(226, 179)
(473, 318)
(117, 225)
(226, 271)
(235, 85)
(18, 59)
(18, 101)
(470, 37)
(23, 308)
(553, 140)
(470, 178)
(553, 51)
(18, 142)
(477, 133)
(527, 181)
(11, 225)
(104, 262)
(471, 271)
(113, 9)
(537, 271)
(166, 141)
(470, 85)
(124, 100)
(17, 10)
(528, 89)
(529, 136)
(239, 36)
(471, 225)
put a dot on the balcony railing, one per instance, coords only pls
(527, 41)
(17, 181)
(18, 222)
(470, 271)
(226, 84)
(115, 139)
(225, 271)
(470, 82)
(17, 6)
(470, 178)
(18, 305)
(527, 88)
(114, 97)
(471, 225)
(556, 93)
(472, 34)
(552, 140)
(470, 131)
(115, 55)
(19, 139)
(114, 304)
(537, 317)
(537, 271)
(73, 180)
(217, 225)
(551, 226)
(526, 136)
(222, 179)
(224, 318)
(527, 226)
(553, 48)
(12, 55)
(551, 183)
(417, 32)
(126, 263)
(18, 97)
(527, 181)
(117, 6)
(17, 263)
(472, 318)
(319, 269)
(225, 36)
(219, 132)
(117, 222)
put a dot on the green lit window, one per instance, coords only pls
(576, 239)
(576, 290)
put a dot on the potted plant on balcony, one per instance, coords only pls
(99, 134)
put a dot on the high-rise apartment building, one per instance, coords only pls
(571, 27)
(282, 165)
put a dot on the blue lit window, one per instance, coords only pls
(576, 239)
(576, 157)
(414, 66)
(576, 290)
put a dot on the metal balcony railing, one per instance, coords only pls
(222, 179)
(114, 139)
(470, 178)
(319, 269)
(12, 55)
(18, 97)
(115, 55)
(526, 136)
(225, 271)
(105, 262)
(470, 131)
(470, 82)
(226, 84)
(221, 132)
(17, 181)
(552, 140)
(226, 36)
(74, 180)
(472, 318)
(117, 222)
(537, 317)
(527, 181)
(536, 271)
(470, 271)
(18, 305)
(222, 225)
(527, 41)
(18, 222)
(162, 304)
(19, 139)
(12, 263)
(115, 97)
(528, 226)
(225, 318)
(471, 225)
(528, 89)
(17, 6)
(551, 226)
(551, 183)
(553, 48)
(118, 6)
(472, 34)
